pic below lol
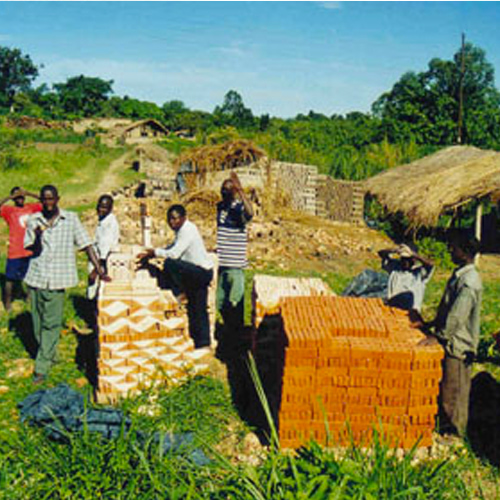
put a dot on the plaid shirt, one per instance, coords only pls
(54, 267)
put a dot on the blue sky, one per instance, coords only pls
(284, 58)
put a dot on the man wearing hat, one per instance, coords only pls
(409, 274)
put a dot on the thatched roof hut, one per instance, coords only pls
(224, 156)
(438, 183)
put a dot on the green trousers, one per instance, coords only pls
(47, 315)
(231, 296)
(454, 396)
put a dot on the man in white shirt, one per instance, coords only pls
(188, 269)
(408, 277)
(107, 236)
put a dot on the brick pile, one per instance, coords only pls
(142, 332)
(346, 366)
(268, 292)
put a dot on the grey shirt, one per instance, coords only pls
(458, 318)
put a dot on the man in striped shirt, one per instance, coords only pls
(233, 214)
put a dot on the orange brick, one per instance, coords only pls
(363, 377)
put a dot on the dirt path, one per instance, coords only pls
(110, 181)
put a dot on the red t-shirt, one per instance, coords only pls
(16, 218)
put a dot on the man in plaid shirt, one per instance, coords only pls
(52, 235)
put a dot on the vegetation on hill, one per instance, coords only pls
(419, 114)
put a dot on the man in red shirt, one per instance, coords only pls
(18, 258)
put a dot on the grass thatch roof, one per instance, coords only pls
(225, 156)
(440, 182)
(148, 121)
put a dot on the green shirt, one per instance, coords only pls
(458, 317)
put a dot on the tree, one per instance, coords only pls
(83, 95)
(233, 112)
(425, 105)
(173, 111)
(17, 72)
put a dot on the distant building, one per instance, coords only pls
(142, 131)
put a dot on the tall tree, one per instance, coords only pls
(83, 95)
(17, 72)
(425, 106)
(233, 111)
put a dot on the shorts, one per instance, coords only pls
(16, 269)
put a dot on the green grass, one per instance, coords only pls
(18, 136)
(177, 145)
(74, 172)
(32, 467)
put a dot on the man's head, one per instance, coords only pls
(49, 198)
(176, 216)
(464, 247)
(406, 255)
(227, 191)
(18, 199)
(104, 206)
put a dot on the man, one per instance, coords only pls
(107, 236)
(457, 329)
(106, 240)
(408, 277)
(233, 214)
(17, 256)
(188, 270)
(52, 235)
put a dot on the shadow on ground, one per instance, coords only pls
(22, 326)
(233, 350)
(87, 350)
(484, 417)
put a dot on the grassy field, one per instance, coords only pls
(135, 467)
(33, 467)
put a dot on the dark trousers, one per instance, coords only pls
(454, 396)
(184, 277)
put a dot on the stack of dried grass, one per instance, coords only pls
(224, 156)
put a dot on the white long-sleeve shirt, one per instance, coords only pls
(188, 246)
(107, 236)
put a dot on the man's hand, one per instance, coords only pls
(428, 341)
(236, 182)
(143, 258)
(104, 277)
(147, 254)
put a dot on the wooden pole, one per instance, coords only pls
(479, 216)
(461, 94)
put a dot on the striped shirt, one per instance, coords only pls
(232, 235)
(54, 266)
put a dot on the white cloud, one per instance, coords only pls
(331, 5)
(4, 37)
(234, 49)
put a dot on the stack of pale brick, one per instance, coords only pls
(268, 292)
(142, 332)
(349, 366)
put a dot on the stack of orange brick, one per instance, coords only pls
(142, 332)
(348, 366)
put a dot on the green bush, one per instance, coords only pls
(437, 251)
